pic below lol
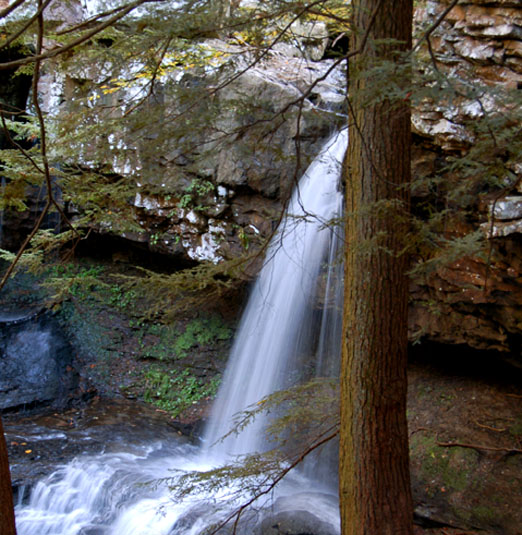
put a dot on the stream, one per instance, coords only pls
(119, 481)
(98, 471)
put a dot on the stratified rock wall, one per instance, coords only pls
(229, 200)
(474, 301)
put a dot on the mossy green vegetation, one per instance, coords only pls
(469, 486)
(444, 468)
(516, 428)
(175, 391)
(171, 364)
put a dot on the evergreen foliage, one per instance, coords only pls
(152, 86)
(162, 65)
(305, 417)
(149, 82)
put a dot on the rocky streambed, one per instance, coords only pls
(40, 442)
(465, 435)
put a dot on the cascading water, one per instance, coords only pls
(103, 495)
(276, 325)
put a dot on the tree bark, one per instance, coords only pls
(375, 493)
(7, 518)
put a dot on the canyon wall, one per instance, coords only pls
(229, 202)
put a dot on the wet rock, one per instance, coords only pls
(294, 523)
(36, 361)
(471, 302)
(66, 13)
(479, 40)
(475, 41)
(176, 177)
(39, 442)
(508, 208)
(305, 513)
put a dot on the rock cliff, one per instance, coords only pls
(215, 206)
(475, 299)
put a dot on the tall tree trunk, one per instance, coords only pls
(375, 493)
(7, 519)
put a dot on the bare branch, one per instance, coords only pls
(9, 9)
(53, 52)
(90, 21)
(477, 447)
(434, 26)
(239, 511)
(43, 150)
(24, 28)
(24, 245)
(17, 145)
(152, 81)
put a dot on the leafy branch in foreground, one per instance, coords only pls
(270, 474)
(304, 418)
(164, 295)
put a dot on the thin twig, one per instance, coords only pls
(39, 114)
(90, 21)
(434, 26)
(418, 430)
(53, 52)
(16, 35)
(152, 81)
(502, 193)
(239, 511)
(251, 65)
(17, 145)
(490, 428)
(11, 8)
(24, 245)
(476, 447)
(51, 201)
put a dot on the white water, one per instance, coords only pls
(106, 495)
(276, 324)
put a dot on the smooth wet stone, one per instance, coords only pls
(294, 523)
(36, 362)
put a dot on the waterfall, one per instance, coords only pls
(282, 324)
(276, 324)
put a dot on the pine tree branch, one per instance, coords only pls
(240, 510)
(152, 81)
(17, 145)
(54, 52)
(25, 27)
(45, 170)
(51, 201)
(252, 64)
(24, 245)
(41, 120)
(89, 22)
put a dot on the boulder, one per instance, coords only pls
(294, 523)
(36, 362)
(302, 513)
